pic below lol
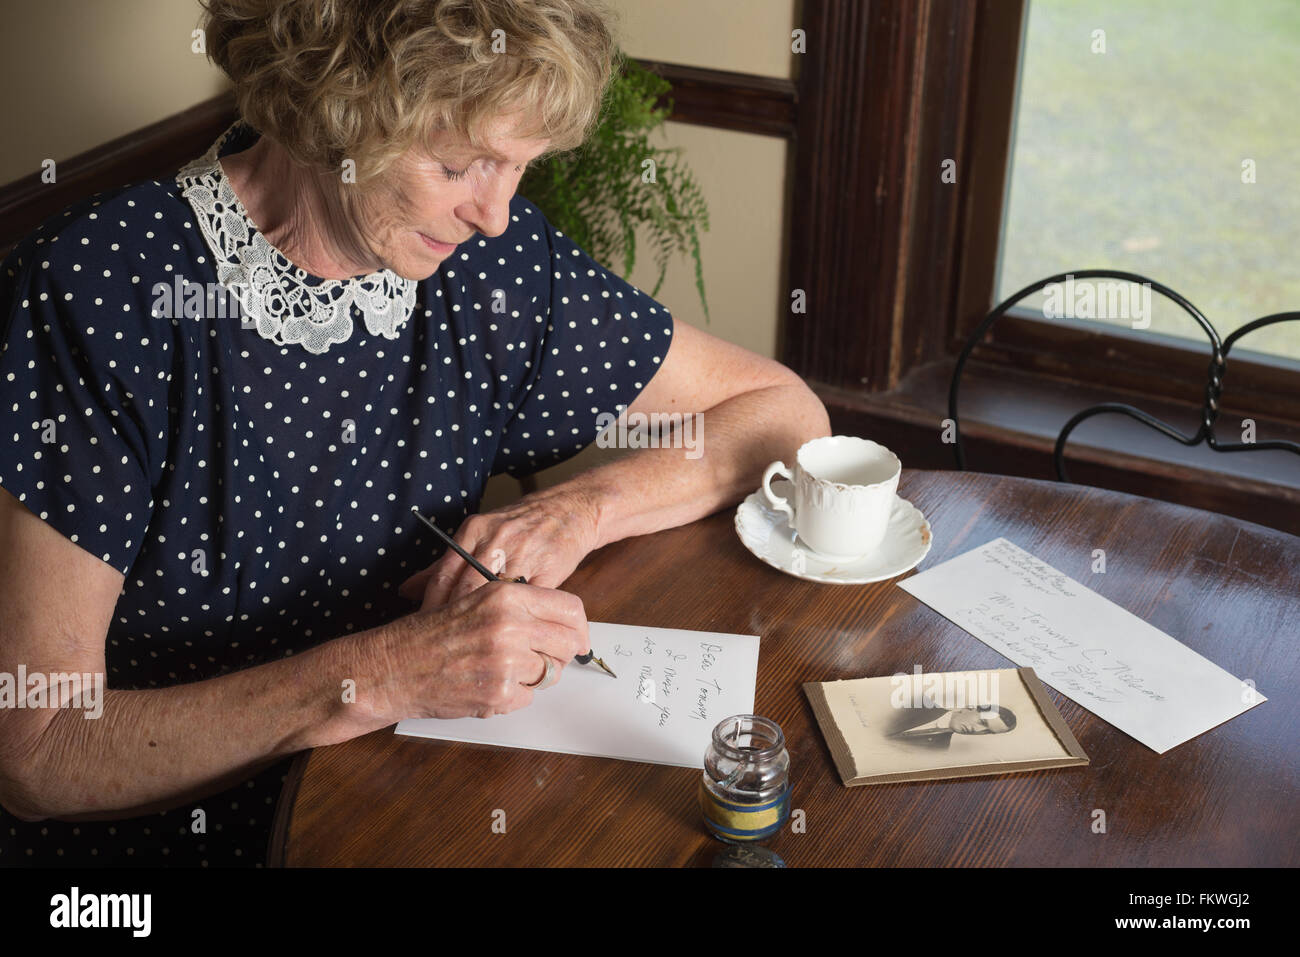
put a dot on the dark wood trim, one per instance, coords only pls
(1010, 420)
(159, 148)
(730, 101)
(988, 135)
(935, 258)
(877, 236)
(854, 146)
(1160, 366)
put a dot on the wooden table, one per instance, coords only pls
(1227, 588)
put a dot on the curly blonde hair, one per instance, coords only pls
(366, 80)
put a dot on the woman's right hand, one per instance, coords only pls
(476, 655)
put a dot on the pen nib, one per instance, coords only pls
(605, 666)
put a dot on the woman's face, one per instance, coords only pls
(435, 198)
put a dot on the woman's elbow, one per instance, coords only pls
(27, 790)
(808, 407)
(21, 800)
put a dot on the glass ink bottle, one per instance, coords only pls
(745, 790)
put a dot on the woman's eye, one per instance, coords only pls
(453, 174)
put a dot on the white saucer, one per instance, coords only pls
(766, 533)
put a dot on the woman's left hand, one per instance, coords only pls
(543, 537)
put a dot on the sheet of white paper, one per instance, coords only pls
(672, 689)
(1088, 648)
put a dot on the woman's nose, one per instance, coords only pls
(492, 205)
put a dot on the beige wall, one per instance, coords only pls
(746, 36)
(78, 73)
(82, 72)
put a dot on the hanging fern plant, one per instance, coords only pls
(617, 181)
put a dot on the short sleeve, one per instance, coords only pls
(83, 395)
(601, 343)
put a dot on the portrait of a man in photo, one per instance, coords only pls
(934, 727)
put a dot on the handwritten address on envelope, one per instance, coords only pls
(672, 689)
(1094, 652)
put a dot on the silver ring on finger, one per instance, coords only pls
(548, 676)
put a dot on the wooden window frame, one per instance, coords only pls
(898, 268)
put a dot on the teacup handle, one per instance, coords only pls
(778, 503)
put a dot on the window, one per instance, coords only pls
(1159, 138)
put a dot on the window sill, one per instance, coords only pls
(1010, 421)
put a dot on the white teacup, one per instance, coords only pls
(843, 494)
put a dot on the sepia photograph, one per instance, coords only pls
(925, 726)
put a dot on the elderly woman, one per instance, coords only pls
(213, 511)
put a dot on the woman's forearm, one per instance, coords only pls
(157, 749)
(655, 488)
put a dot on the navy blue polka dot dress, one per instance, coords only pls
(250, 463)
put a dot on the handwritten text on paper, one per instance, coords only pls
(1094, 652)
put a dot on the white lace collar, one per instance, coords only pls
(271, 290)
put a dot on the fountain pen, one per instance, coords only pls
(590, 656)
